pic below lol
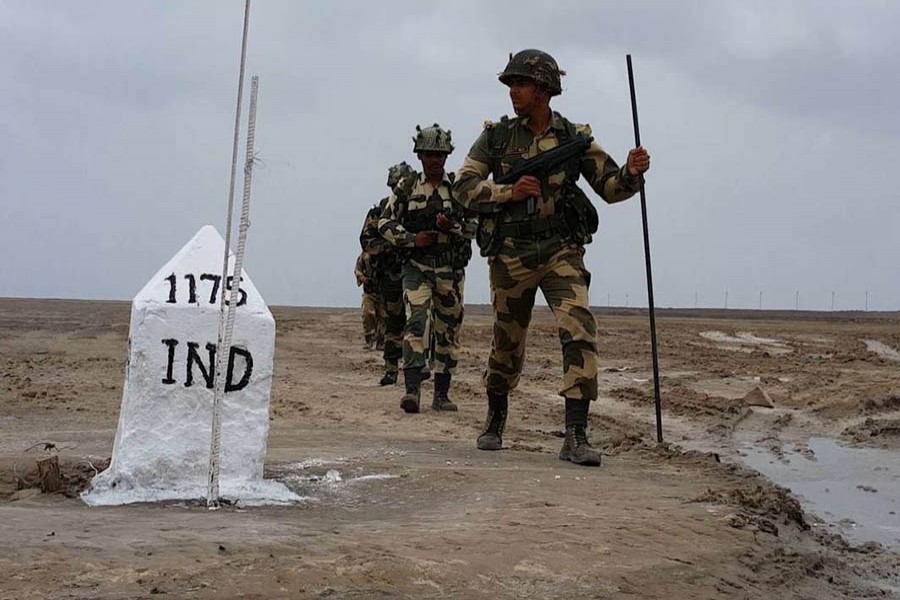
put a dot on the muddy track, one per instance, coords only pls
(403, 506)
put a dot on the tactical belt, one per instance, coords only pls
(540, 228)
(434, 259)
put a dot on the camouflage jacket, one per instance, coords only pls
(385, 258)
(504, 143)
(365, 272)
(414, 206)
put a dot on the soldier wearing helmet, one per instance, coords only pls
(538, 66)
(539, 244)
(424, 221)
(398, 172)
(372, 318)
(387, 270)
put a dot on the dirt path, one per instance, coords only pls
(404, 506)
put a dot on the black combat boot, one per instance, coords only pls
(441, 401)
(576, 447)
(389, 378)
(410, 400)
(492, 436)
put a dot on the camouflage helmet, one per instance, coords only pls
(398, 172)
(536, 65)
(432, 139)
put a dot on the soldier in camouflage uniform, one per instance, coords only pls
(388, 268)
(422, 218)
(365, 277)
(535, 239)
(380, 316)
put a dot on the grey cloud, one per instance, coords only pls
(758, 115)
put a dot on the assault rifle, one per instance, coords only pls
(543, 164)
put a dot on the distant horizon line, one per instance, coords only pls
(486, 306)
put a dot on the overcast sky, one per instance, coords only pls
(773, 128)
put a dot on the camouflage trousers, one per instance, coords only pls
(370, 314)
(436, 293)
(394, 320)
(557, 269)
(380, 315)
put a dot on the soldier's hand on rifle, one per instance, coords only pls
(445, 223)
(426, 238)
(526, 187)
(638, 161)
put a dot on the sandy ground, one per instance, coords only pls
(405, 507)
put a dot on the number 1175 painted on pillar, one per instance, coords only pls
(192, 288)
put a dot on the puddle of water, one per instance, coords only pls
(752, 339)
(745, 338)
(330, 483)
(721, 337)
(882, 350)
(316, 462)
(855, 489)
(375, 477)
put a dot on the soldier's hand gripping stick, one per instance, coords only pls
(543, 164)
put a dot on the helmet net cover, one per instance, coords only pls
(536, 65)
(398, 172)
(432, 139)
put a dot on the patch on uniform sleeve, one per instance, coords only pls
(585, 129)
(488, 124)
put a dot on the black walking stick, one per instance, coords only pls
(637, 143)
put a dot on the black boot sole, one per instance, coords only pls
(583, 463)
(489, 446)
